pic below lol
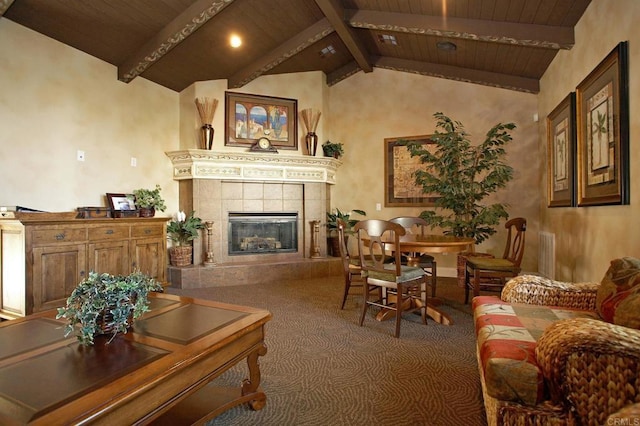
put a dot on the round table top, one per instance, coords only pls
(433, 243)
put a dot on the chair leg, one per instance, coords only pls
(476, 282)
(467, 283)
(433, 279)
(399, 306)
(423, 299)
(365, 290)
(347, 286)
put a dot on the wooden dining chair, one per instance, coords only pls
(423, 260)
(407, 282)
(350, 267)
(492, 273)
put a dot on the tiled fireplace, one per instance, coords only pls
(222, 185)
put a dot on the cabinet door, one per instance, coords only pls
(148, 255)
(12, 270)
(111, 257)
(57, 270)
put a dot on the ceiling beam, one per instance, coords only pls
(486, 78)
(343, 72)
(286, 50)
(547, 36)
(169, 37)
(4, 5)
(335, 14)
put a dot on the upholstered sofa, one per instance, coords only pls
(557, 353)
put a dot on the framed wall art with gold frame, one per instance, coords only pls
(561, 153)
(602, 101)
(251, 117)
(400, 186)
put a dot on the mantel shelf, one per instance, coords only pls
(250, 166)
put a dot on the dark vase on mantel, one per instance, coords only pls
(311, 140)
(206, 140)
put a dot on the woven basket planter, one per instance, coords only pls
(181, 255)
(106, 317)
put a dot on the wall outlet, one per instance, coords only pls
(134, 161)
(378, 206)
(80, 155)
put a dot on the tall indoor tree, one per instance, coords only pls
(463, 175)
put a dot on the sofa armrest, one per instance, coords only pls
(536, 290)
(590, 366)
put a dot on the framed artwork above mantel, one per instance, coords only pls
(249, 118)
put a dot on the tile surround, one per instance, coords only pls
(214, 184)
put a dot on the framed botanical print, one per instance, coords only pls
(602, 101)
(561, 151)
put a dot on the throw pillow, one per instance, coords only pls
(618, 297)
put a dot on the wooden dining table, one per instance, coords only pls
(431, 244)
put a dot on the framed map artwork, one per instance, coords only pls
(400, 186)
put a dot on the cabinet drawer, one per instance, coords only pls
(109, 233)
(147, 230)
(59, 235)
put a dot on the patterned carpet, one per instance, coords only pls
(321, 368)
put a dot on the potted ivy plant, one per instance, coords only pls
(182, 231)
(332, 227)
(149, 200)
(332, 149)
(463, 175)
(106, 304)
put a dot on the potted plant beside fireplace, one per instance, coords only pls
(182, 231)
(332, 227)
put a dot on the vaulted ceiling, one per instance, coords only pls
(500, 43)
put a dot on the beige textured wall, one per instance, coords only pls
(55, 100)
(367, 108)
(587, 238)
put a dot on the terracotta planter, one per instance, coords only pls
(181, 255)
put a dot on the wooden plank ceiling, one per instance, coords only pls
(500, 43)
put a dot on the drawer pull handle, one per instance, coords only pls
(147, 231)
(60, 237)
(109, 231)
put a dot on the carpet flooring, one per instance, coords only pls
(322, 368)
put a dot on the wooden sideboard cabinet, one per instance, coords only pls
(43, 256)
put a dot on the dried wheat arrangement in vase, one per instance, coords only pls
(310, 119)
(206, 110)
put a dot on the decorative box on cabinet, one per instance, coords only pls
(43, 257)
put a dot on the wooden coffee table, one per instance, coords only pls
(160, 372)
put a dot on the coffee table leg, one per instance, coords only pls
(251, 386)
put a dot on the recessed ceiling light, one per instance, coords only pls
(235, 41)
(387, 39)
(326, 51)
(446, 46)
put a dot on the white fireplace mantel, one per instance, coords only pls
(250, 166)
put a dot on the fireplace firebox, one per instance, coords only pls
(262, 232)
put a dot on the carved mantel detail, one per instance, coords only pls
(249, 166)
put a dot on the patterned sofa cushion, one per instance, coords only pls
(618, 296)
(506, 341)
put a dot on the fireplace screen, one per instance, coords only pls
(251, 233)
